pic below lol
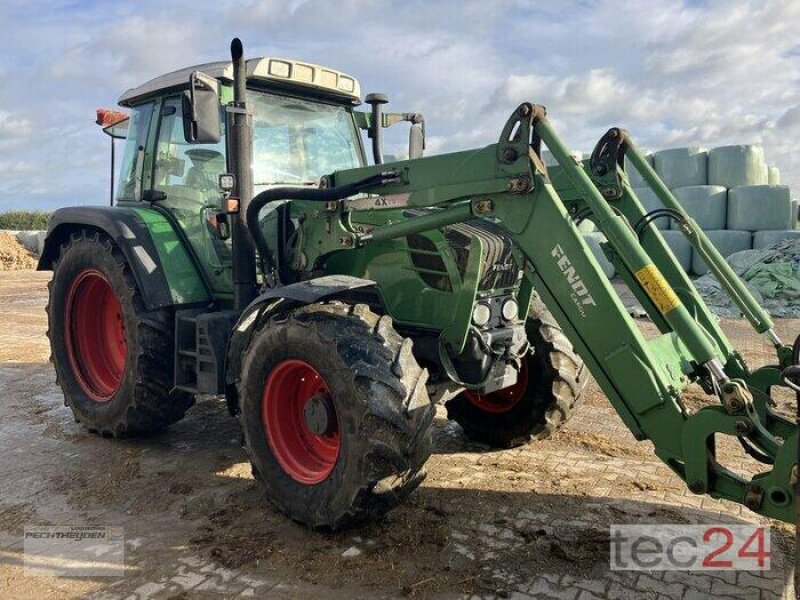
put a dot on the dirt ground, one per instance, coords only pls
(529, 522)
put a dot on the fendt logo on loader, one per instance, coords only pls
(580, 296)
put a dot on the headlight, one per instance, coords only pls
(510, 309)
(481, 314)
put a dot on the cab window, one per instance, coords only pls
(131, 170)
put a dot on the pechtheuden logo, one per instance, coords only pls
(580, 293)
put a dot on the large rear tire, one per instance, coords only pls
(548, 392)
(335, 414)
(113, 358)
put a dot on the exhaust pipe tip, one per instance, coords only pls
(236, 49)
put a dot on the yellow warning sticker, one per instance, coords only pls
(657, 289)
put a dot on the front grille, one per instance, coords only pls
(428, 263)
(499, 268)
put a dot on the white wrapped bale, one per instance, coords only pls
(680, 247)
(764, 239)
(550, 160)
(682, 167)
(732, 166)
(706, 204)
(759, 207)
(651, 202)
(773, 176)
(587, 226)
(727, 242)
(633, 175)
(593, 240)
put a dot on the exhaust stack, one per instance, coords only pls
(240, 159)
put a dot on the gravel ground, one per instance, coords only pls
(529, 522)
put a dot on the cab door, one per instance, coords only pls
(187, 175)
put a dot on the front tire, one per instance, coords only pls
(548, 391)
(113, 357)
(335, 414)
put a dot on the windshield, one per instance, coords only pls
(297, 141)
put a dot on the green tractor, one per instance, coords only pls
(252, 252)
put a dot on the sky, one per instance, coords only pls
(697, 73)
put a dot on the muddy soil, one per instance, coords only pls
(531, 521)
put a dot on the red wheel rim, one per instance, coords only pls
(95, 335)
(502, 400)
(303, 455)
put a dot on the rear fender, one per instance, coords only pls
(163, 269)
(282, 300)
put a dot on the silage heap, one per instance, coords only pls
(771, 274)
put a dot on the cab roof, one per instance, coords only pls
(283, 71)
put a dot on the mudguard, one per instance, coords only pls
(163, 268)
(284, 299)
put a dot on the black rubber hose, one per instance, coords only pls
(298, 193)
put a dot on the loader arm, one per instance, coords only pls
(644, 379)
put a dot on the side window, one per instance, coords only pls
(186, 173)
(130, 180)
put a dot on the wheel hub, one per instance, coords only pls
(319, 414)
(300, 421)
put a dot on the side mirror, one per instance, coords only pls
(201, 120)
(416, 140)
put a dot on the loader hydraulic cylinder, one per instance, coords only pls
(726, 276)
(631, 253)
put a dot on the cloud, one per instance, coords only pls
(692, 73)
(14, 130)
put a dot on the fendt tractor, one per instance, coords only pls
(252, 252)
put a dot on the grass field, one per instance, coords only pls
(24, 220)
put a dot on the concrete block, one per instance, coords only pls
(706, 204)
(633, 175)
(593, 240)
(763, 239)
(681, 167)
(32, 240)
(651, 202)
(732, 166)
(759, 207)
(680, 247)
(773, 176)
(727, 242)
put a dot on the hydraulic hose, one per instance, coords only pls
(298, 193)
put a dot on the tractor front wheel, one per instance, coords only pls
(112, 356)
(335, 414)
(547, 393)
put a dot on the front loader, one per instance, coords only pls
(252, 253)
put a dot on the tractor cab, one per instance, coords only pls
(303, 126)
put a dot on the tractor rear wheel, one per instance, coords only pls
(335, 414)
(547, 393)
(113, 357)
